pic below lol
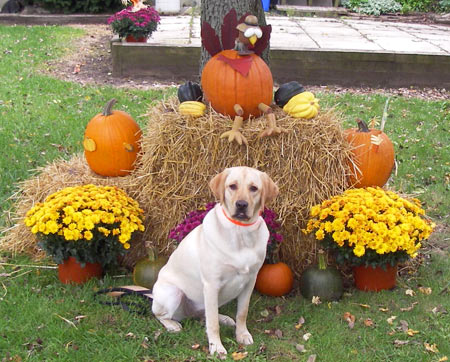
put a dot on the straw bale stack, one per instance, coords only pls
(180, 155)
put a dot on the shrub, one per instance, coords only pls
(75, 6)
(420, 5)
(445, 5)
(373, 7)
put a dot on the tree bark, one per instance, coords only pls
(213, 12)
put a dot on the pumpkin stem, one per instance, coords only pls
(322, 263)
(362, 126)
(151, 252)
(107, 111)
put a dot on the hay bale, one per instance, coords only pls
(180, 155)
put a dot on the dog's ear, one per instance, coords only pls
(269, 190)
(217, 185)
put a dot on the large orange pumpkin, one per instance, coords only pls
(111, 142)
(274, 279)
(373, 154)
(223, 86)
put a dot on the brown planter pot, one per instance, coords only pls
(375, 279)
(132, 39)
(71, 271)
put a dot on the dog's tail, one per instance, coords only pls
(119, 294)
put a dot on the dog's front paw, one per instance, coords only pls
(219, 349)
(244, 338)
(226, 321)
(171, 325)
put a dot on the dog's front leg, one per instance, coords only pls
(243, 336)
(211, 294)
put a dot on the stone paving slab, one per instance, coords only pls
(304, 33)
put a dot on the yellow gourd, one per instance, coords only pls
(192, 108)
(303, 105)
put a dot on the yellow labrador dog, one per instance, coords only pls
(218, 261)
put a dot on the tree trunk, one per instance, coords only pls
(213, 12)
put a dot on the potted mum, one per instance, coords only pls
(274, 278)
(372, 230)
(135, 23)
(86, 227)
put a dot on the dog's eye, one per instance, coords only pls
(253, 188)
(233, 187)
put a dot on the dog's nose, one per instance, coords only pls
(241, 204)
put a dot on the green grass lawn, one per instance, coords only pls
(40, 319)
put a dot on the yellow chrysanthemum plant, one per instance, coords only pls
(94, 224)
(370, 226)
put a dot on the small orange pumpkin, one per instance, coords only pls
(373, 156)
(111, 142)
(223, 86)
(274, 279)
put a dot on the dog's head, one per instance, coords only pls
(243, 192)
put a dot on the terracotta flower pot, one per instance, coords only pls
(132, 39)
(375, 279)
(71, 271)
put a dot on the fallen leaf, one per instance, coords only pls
(156, 334)
(130, 335)
(300, 323)
(307, 336)
(381, 309)
(195, 346)
(300, 347)
(439, 309)
(237, 356)
(411, 307)
(278, 310)
(316, 300)
(410, 292)
(311, 358)
(77, 69)
(265, 313)
(144, 345)
(443, 359)
(391, 319)
(425, 290)
(278, 333)
(350, 319)
(399, 342)
(411, 332)
(262, 348)
(368, 322)
(431, 347)
(404, 326)
(364, 305)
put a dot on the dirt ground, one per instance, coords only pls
(90, 63)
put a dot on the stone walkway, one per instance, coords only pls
(334, 34)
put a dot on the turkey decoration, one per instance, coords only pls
(236, 81)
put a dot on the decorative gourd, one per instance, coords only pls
(192, 108)
(111, 142)
(321, 281)
(224, 86)
(303, 105)
(274, 279)
(145, 272)
(373, 156)
(189, 91)
(286, 91)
